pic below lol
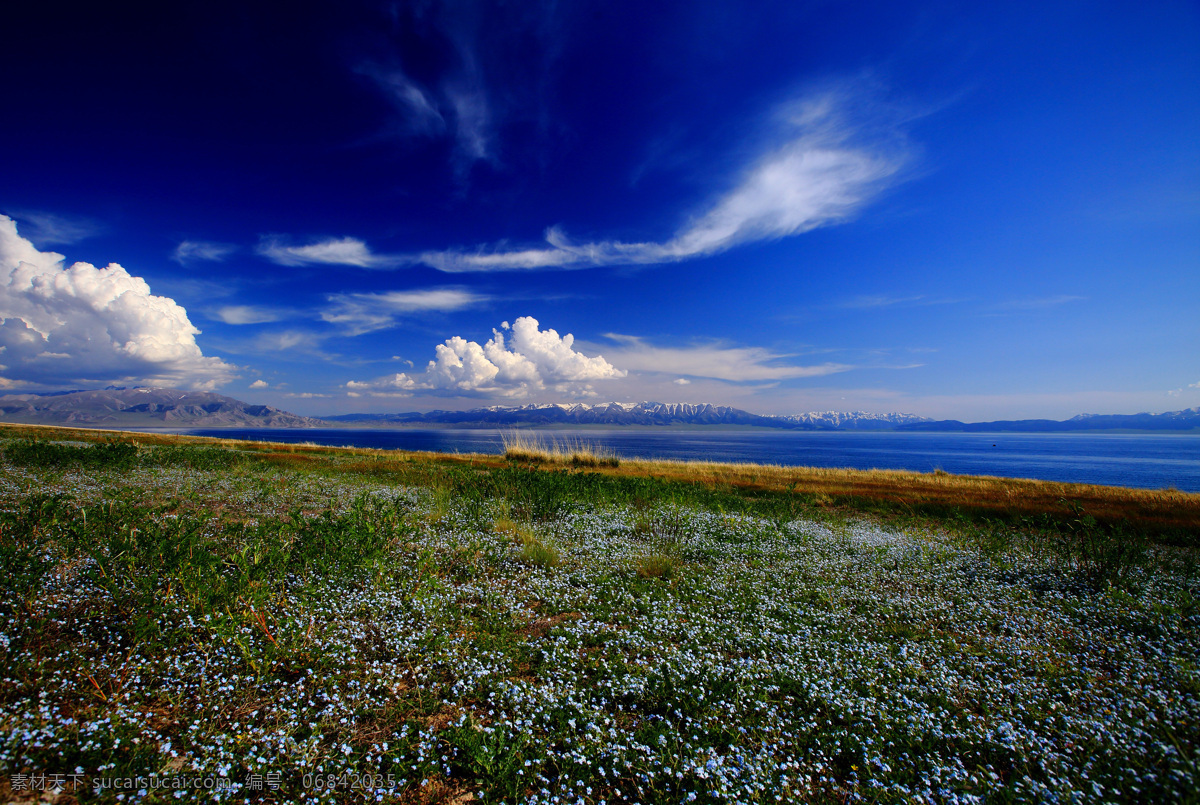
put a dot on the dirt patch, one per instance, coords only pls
(541, 626)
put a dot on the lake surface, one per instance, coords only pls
(1147, 460)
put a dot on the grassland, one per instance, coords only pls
(342, 625)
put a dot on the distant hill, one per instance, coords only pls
(1187, 419)
(644, 413)
(144, 407)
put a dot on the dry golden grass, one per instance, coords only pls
(1155, 510)
(525, 446)
(1164, 509)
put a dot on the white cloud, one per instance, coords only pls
(457, 108)
(260, 384)
(827, 158)
(334, 251)
(56, 230)
(472, 118)
(80, 324)
(419, 113)
(362, 313)
(246, 314)
(818, 170)
(1039, 303)
(682, 381)
(734, 364)
(882, 300)
(530, 360)
(191, 251)
(286, 340)
(454, 105)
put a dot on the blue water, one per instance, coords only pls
(1151, 461)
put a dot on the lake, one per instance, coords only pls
(1146, 460)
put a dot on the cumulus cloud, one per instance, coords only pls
(526, 361)
(192, 251)
(260, 384)
(682, 381)
(734, 364)
(362, 313)
(78, 324)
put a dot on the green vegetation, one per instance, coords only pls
(347, 626)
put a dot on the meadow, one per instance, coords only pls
(191, 619)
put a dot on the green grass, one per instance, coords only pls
(431, 629)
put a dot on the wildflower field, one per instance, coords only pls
(184, 621)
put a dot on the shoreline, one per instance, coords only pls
(937, 495)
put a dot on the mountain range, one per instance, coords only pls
(144, 407)
(161, 407)
(1187, 419)
(644, 413)
(656, 413)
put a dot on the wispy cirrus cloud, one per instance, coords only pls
(360, 313)
(879, 301)
(454, 104)
(332, 251)
(287, 341)
(248, 314)
(417, 106)
(1040, 302)
(716, 361)
(457, 107)
(193, 251)
(825, 160)
(52, 229)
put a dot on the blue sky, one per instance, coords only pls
(970, 211)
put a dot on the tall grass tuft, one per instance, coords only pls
(657, 566)
(524, 446)
(533, 550)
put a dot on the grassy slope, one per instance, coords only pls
(469, 626)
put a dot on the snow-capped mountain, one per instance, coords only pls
(854, 420)
(643, 413)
